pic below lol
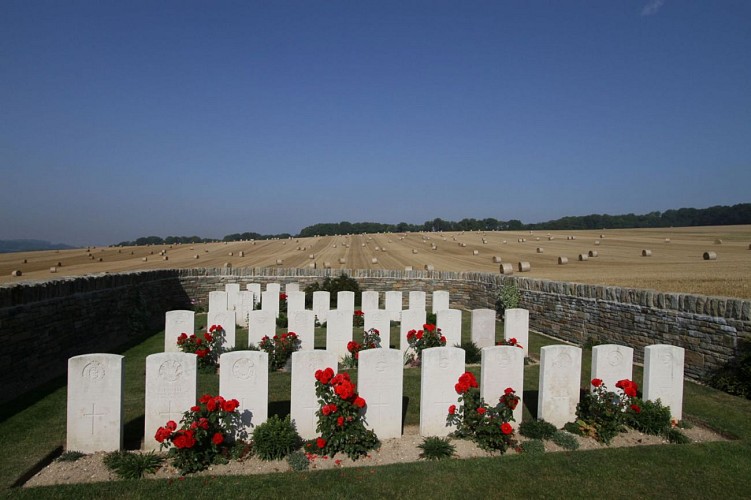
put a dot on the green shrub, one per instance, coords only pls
(431, 318)
(435, 448)
(533, 447)
(652, 418)
(70, 456)
(565, 440)
(298, 461)
(275, 438)
(343, 283)
(675, 436)
(734, 377)
(472, 353)
(508, 298)
(537, 429)
(602, 414)
(129, 465)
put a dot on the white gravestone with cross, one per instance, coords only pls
(502, 367)
(393, 304)
(369, 301)
(295, 302)
(303, 324)
(560, 374)
(175, 323)
(225, 319)
(339, 331)
(412, 319)
(95, 403)
(218, 301)
(304, 402)
(379, 319)
(244, 376)
(450, 323)
(321, 305)
(260, 324)
(516, 326)
(380, 382)
(611, 363)
(663, 376)
(440, 301)
(416, 299)
(171, 384)
(440, 371)
(483, 327)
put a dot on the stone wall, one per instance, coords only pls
(44, 324)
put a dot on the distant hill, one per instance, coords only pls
(8, 246)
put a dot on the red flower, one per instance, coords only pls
(203, 423)
(513, 403)
(636, 408)
(162, 433)
(183, 337)
(171, 425)
(231, 405)
(201, 353)
(358, 313)
(215, 328)
(452, 409)
(205, 398)
(328, 409)
(359, 402)
(429, 327)
(596, 382)
(195, 408)
(506, 428)
(211, 405)
(208, 337)
(629, 388)
(508, 390)
(184, 439)
(419, 334)
(512, 341)
(461, 388)
(320, 442)
(218, 438)
(469, 379)
(282, 296)
(344, 390)
(411, 334)
(340, 421)
(481, 410)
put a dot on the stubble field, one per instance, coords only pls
(676, 263)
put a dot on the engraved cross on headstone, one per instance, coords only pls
(93, 414)
(171, 412)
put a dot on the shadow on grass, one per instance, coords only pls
(405, 407)
(133, 433)
(530, 402)
(279, 408)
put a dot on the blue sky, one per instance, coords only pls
(133, 118)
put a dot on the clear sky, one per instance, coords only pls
(121, 119)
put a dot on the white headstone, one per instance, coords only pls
(416, 299)
(611, 363)
(369, 301)
(380, 377)
(440, 371)
(345, 301)
(516, 326)
(303, 324)
(321, 305)
(256, 289)
(260, 324)
(233, 291)
(245, 305)
(217, 301)
(483, 327)
(502, 367)
(393, 304)
(339, 331)
(244, 376)
(292, 287)
(450, 323)
(304, 402)
(95, 403)
(560, 373)
(412, 319)
(225, 319)
(295, 302)
(440, 300)
(379, 319)
(171, 382)
(270, 302)
(274, 287)
(663, 376)
(175, 323)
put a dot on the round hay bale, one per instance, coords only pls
(597, 242)
(710, 256)
(551, 238)
(593, 253)
(227, 265)
(718, 242)
(506, 269)
(667, 240)
(524, 267)
(16, 272)
(242, 254)
(230, 254)
(312, 265)
(53, 269)
(583, 257)
(562, 260)
(463, 245)
(414, 250)
(102, 260)
(646, 253)
(537, 239)
(540, 250)
(145, 259)
(342, 260)
(163, 258)
(429, 267)
(196, 256)
(327, 265)
(407, 268)
(333, 246)
(311, 256)
(505, 242)
(497, 259)
(475, 252)
(374, 261)
(602, 236)
(59, 264)
(749, 246)
(279, 262)
(25, 261)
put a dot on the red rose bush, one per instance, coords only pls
(371, 339)
(428, 337)
(207, 347)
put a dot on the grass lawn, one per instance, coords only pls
(34, 427)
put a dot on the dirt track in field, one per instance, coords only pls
(675, 266)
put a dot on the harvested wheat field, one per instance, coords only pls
(675, 262)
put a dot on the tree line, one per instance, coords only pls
(719, 215)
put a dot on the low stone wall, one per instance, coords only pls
(44, 324)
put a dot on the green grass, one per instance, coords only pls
(34, 427)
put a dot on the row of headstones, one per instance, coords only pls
(243, 302)
(95, 387)
(340, 327)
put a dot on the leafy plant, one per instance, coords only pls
(508, 298)
(275, 438)
(533, 447)
(343, 283)
(436, 448)
(129, 465)
(371, 339)
(565, 440)
(472, 353)
(298, 461)
(207, 347)
(734, 377)
(200, 441)
(537, 429)
(428, 337)
(675, 436)
(70, 456)
(602, 413)
(649, 417)
(486, 425)
(431, 317)
(340, 417)
(279, 348)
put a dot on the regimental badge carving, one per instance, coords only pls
(615, 358)
(93, 371)
(244, 369)
(171, 371)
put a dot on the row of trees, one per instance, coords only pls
(683, 217)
